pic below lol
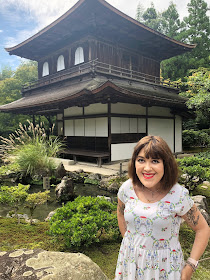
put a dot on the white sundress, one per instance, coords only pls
(150, 248)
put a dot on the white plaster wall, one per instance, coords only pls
(123, 108)
(141, 125)
(128, 125)
(178, 141)
(124, 125)
(69, 127)
(97, 108)
(79, 127)
(115, 125)
(90, 127)
(163, 128)
(133, 125)
(59, 117)
(159, 111)
(101, 127)
(122, 151)
(73, 111)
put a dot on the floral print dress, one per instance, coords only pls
(150, 248)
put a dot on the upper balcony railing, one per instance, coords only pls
(99, 67)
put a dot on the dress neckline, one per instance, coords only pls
(150, 203)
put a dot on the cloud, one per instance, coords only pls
(37, 14)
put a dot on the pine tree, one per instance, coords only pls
(152, 18)
(171, 23)
(196, 31)
(140, 12)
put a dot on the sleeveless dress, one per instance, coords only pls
(150, 249)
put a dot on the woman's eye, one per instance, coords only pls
(140, 160)
(155, 161)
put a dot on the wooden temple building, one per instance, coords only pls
(99, 73)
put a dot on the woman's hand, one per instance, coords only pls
(187, 272)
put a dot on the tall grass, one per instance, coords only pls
(31, 148)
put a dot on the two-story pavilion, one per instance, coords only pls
(99, 73)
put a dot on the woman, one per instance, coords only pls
(150, 207)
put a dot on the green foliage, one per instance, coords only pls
(82, 222)
(194, 170)
(35, 199)
(27, 73)
(194, 29)
(152, 18)
(198, 92)
(31, 149)
(33, 159)
(14, 196)
(6, 72)
(193, 138)
(11, 84)
(119, 180)
(91, 181)
(205, 155)
(9, 168)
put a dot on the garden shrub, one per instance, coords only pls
(83, 221)
(195, 138)
(203, 155)
(30, 148)
(195, 170)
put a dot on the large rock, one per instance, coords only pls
(39, 264)
(60, 171)
(65, 190)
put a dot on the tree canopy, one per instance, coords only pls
(11, 83)
(193, 29)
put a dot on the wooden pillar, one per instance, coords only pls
(109, 129)
(174, 134)
(63, 124)
(146, 120)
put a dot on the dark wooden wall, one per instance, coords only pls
(105, 52)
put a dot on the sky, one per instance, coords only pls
(20, 19)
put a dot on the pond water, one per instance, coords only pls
(42, 211)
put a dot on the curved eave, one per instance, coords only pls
(92, 91)
(186, 47)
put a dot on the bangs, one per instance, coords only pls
(153, 150)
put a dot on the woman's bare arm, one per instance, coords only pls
(196, 221)
(120, 217)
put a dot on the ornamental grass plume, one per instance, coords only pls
(30, 134)
(31, 148)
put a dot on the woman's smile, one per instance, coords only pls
(148, 176)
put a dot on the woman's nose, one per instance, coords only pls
(147, 166)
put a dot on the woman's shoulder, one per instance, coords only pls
(127, 184)
(125, 188)
(179, 188)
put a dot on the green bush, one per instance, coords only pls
(194, 170)
(32, 160)
(31, 149)
(203, 155)
(195, 138)
(83, 221)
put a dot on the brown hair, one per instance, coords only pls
(155, 147)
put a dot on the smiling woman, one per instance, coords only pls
(150, 207)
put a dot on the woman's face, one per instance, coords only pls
(149, 171)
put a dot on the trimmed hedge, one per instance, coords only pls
(195, 138)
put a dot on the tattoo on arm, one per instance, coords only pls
(191, 216)
(121, 209)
